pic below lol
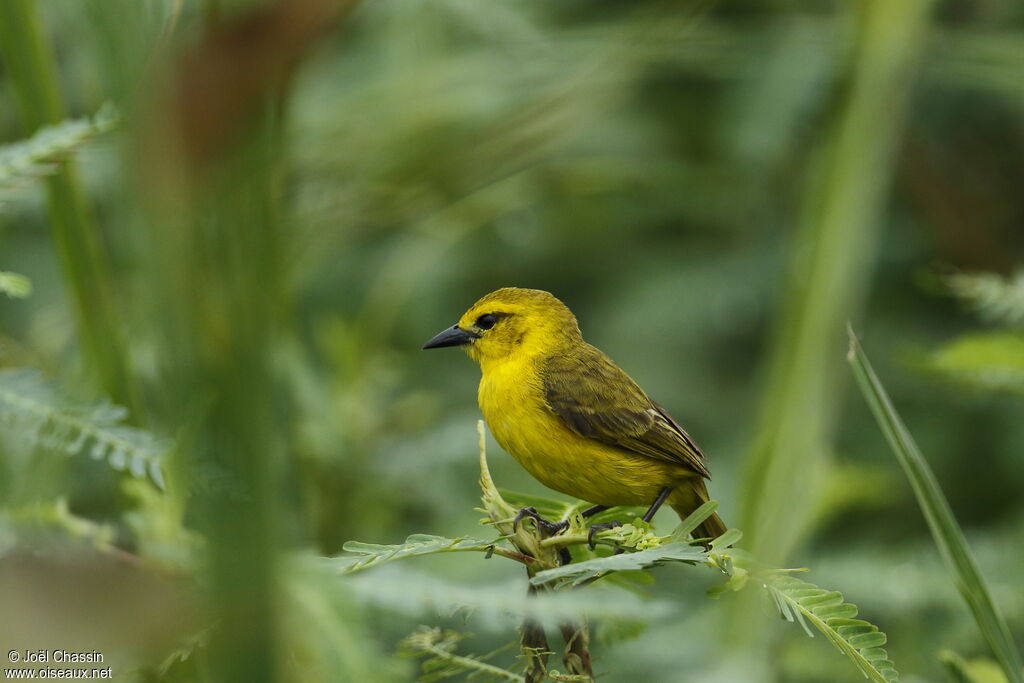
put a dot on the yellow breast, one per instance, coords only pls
(511, 398)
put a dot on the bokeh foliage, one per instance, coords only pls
(240, 219)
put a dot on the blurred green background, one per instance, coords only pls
(251, 215)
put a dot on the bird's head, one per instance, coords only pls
(511, 323)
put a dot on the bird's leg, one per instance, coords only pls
(547, 528)
(594, 528)
(648, 516)
(552, 528)
(658, 502)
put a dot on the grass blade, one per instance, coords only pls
(31, 71)
(841, 216)
(834, 245)
(947, 533)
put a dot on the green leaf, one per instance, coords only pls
(843, 611)
(554, 509)
(31, 525)
(31, 77)
(725, 540)
(692, 521)
(497, 606)
(39, 155)
(323, 620)
(988, 360)
(14, 285)
(443, 663)
(827, 612)
(945, 530)
(34, 410)
(979, 670)
(993, 296)
(579, 572)
(738, 578)
(366, 555)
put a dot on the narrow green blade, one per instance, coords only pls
(947, 533)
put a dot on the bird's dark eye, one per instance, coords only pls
(486, 321)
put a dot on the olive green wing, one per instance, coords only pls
(597, 400)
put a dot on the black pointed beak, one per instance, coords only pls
(453, 336)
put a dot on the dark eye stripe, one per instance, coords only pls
(486, 321)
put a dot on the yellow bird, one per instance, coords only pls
(577, 422)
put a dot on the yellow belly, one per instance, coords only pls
(511, 399)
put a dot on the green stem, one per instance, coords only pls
(31, 68)
(833, 252)
(566, 540)
(842, 215)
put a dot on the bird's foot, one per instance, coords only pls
(547, 528)
(594, 528)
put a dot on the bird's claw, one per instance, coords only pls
(523, 514)
(547, 528)
(594, 528)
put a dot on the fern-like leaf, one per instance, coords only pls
(441, 661)
(33, 410)
(579, 572)
(987, 360)
(996, 298)
(980, 670)
(827, 611)
(365, 555)
(14, 285)
(40, 154)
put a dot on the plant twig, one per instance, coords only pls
(577, 649)
(535, 648)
